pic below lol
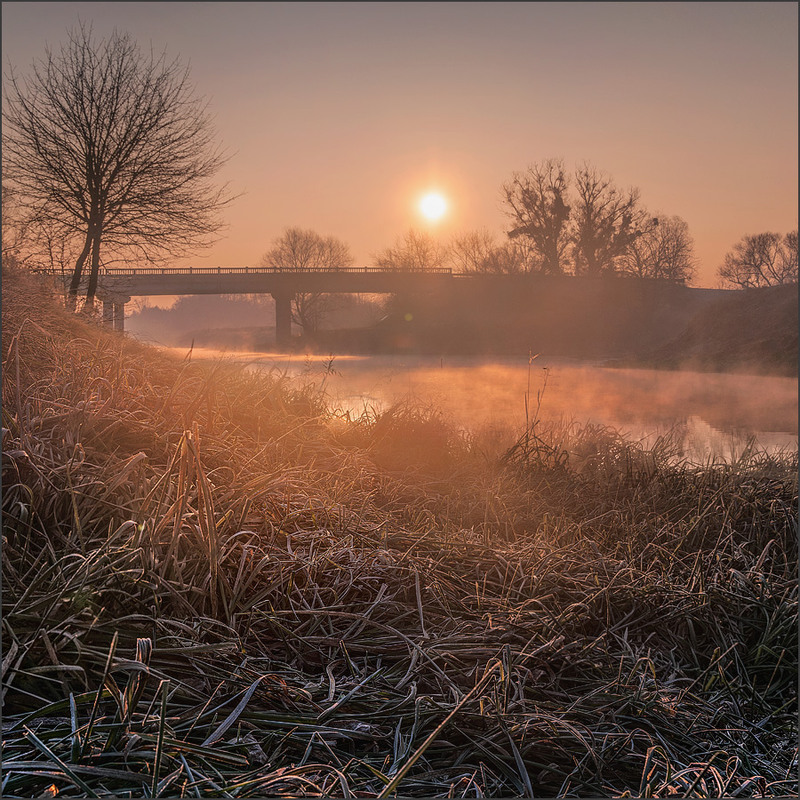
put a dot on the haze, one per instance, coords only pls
(709, 415)
(340, 116)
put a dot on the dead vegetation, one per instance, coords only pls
(215, 587)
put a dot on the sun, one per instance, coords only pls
(433, 206)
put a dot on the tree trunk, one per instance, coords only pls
(91, 289)
(72, 295)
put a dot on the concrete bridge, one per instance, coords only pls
(116, 286)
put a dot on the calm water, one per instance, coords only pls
(712, 415)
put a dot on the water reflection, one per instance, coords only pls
(708, 414)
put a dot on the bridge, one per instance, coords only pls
(116, 285)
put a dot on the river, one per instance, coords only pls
(709, 415)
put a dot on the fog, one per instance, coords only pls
(711, 414)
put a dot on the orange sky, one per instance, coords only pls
(340, 115)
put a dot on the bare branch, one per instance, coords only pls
(763, 259)
(415, 251)
(607, 222)
(537, 205)
(300, 250)
(478, 252)
(112, 145)
(664, 250)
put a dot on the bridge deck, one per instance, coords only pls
(263, 280)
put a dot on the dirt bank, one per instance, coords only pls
(754, 331)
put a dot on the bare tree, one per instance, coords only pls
(607, 221)
(789, 256)
(478, 252)
(414, 251)
(112, 145)
(664, 249)
(300, 250)
(30, 242)
(54, 247)
(764, 259)
(537, 205)
(14, 228)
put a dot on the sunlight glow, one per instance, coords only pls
(433, 206)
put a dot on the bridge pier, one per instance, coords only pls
(108, 313)
(114, 310)
(283, 318)
(119, 317)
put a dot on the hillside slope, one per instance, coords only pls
(753, 331)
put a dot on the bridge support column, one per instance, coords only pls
(283, 318)
(108, 313)
(119, 317)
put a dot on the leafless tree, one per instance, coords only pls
(30, 242)
(789, 257)
(14, 228)
(606, 222)
(112, 145)
(763, 259)
(664, 249)
(479, 253)
(537, 204)
(414, 251)
(300, 250)
(55, 247)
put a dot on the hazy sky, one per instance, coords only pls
(338, 116)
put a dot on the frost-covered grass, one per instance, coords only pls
(214, 586)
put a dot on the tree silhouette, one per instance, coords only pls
(414, 251)
(664, 249)
(477, 252)
(765, 259)
(300, 250)
(110, 145)
(537, 205)
(607, 221)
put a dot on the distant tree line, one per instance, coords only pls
(583, 224)
(562, 224)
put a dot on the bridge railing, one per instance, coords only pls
(123, 272)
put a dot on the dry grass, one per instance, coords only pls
(214, 587)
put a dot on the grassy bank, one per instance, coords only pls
(214, 586)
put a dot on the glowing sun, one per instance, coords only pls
(433, 206)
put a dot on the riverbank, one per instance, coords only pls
(622, 322)
(212, 584)
(753, 331)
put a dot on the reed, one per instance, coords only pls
(216, 586)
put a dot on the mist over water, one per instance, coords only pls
(710, 414)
